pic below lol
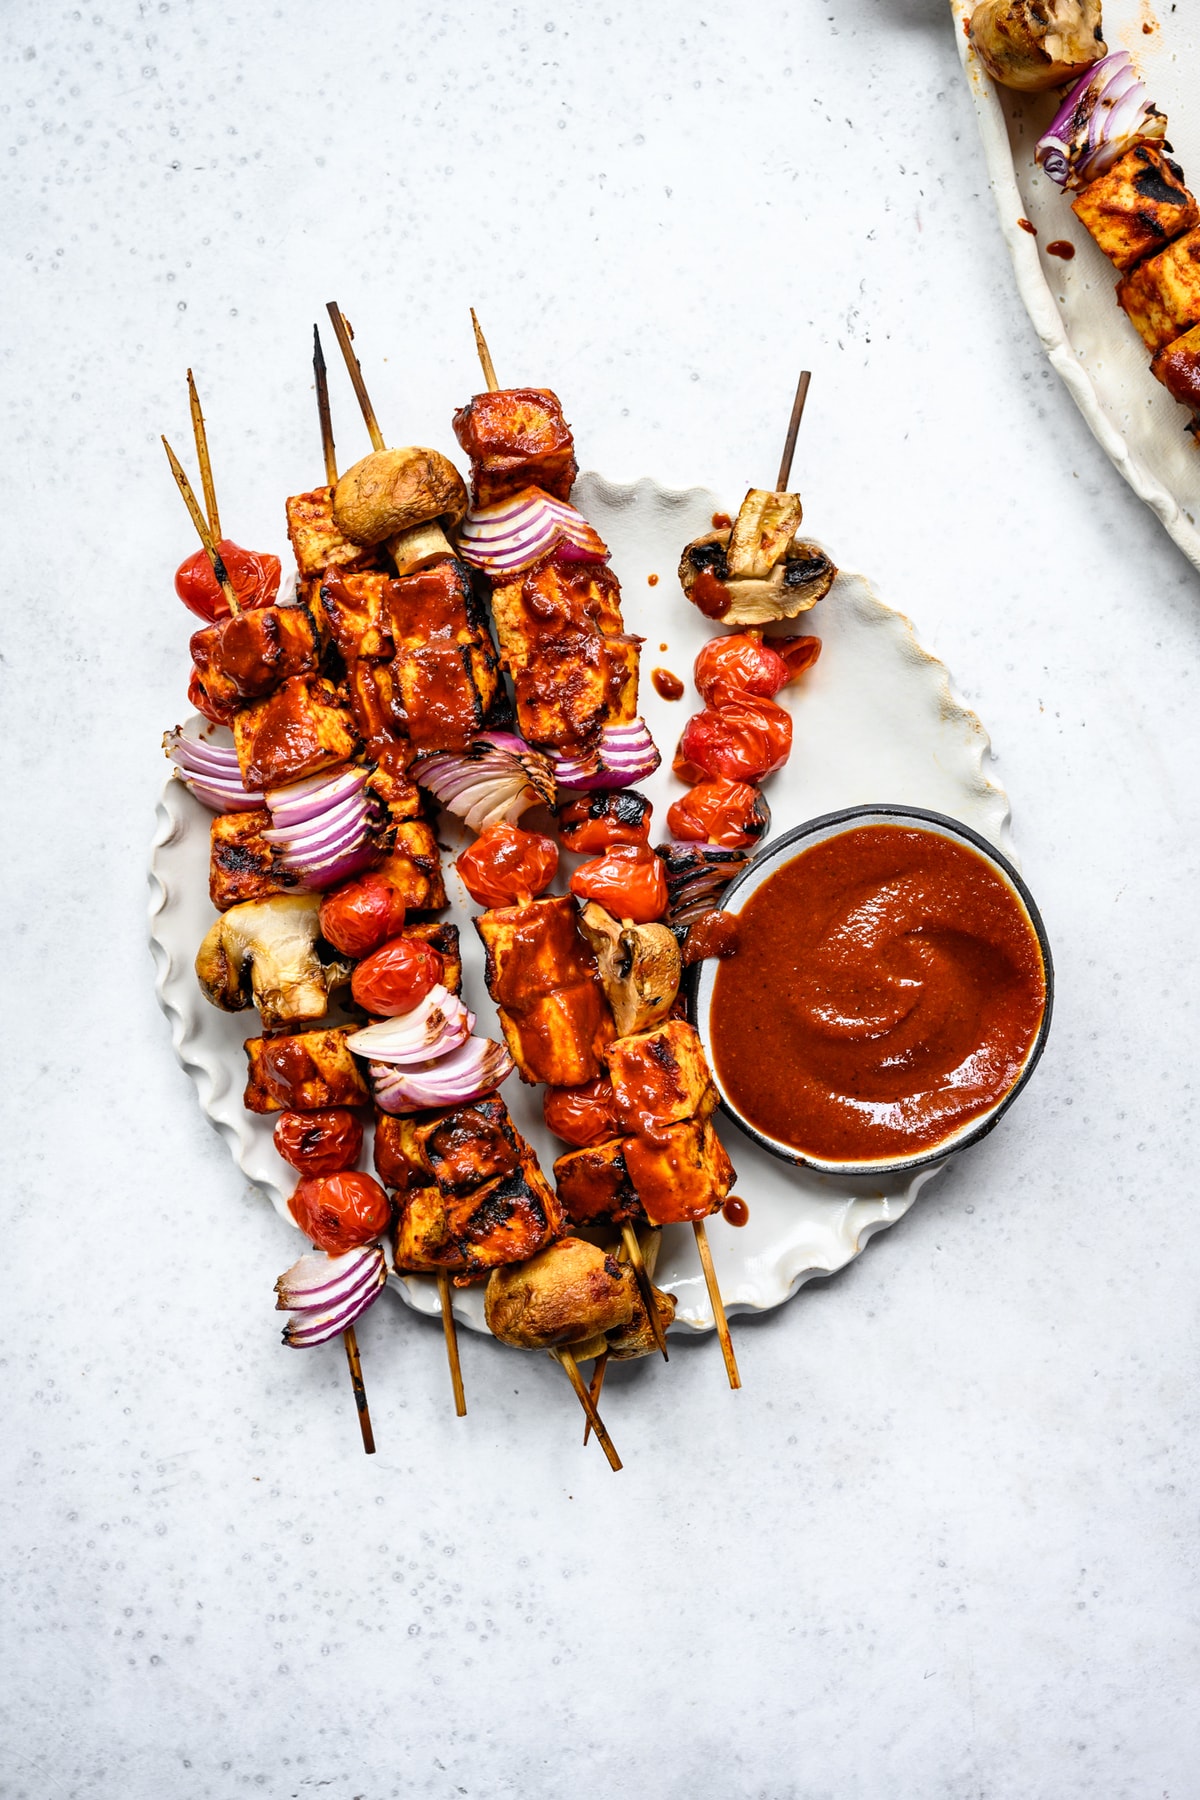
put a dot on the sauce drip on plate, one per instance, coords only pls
(888, 988)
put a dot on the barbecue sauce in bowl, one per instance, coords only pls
(889, 988)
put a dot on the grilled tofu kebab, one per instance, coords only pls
(1107, 145)
(582, 990)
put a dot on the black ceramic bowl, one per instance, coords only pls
(782, 851)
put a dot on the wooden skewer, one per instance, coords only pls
(634, 1252)
(599, 1369)
(585, 1400)
(360, 1392)
(345, 337)
(451, 1333)
(201, 524)
(789, 444)
(323, 412)
(206, 475)
(714, 1295)
(485, 356)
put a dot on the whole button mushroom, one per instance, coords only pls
(401, 498)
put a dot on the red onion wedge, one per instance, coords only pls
(440, 1023)
(1102, 117)
(210, 771)
(323, 827)
(624, 755)
(492, 782)
(520, 530)
(326, 1294)
(473, 1069)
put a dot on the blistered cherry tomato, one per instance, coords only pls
(394, 979)
(361, 915)
(253, 575)
(742, 741)
(597, 820)
(730, 813)
(582, 1115)
(505, 865)
(742, 664)
(628, 880)
(219, 711)
(340, 1212)
(320, 1143)
(799, 653)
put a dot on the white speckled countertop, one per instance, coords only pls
(943, 1542)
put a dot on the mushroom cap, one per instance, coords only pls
(390, 491)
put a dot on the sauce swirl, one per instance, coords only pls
(888, 988)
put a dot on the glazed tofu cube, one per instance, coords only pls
(1137, 207)
(414, 867)
(303, 1072)
(445, 669)
(301, 728)
(256, 652)
(242, 865)
(468, 1146)
(594, 1185)
(373, 703)
(1162, 295)
(397, 1154)
(681, 1174)
(504, 1221)
(316, 540)
(1178, 368)
(516, 438)
(353, 606)
(659, 1076)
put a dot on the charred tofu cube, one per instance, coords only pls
(562, 640)
(681, 1173)
(316, 540)
(301, 728)
(1178, 368)
(504, 1221)
(354, 608)
(414, 867)
(445, 669)
(659, 1076)
(242, 865)
(594, 1185)
(542, 975)
(516, 438)
(465, 1147)
(303, 1072)
(390, 780)
(1162, 295)
(251, 655)
(1137, 207)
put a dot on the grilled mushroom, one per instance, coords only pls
(639, 967)
(1035, 44)
(759, 570)
(402, 498)
(266, 951)
(567, 1294)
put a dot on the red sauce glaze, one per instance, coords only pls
(888, 988)
(722, 522)
(716, 934)
(1061, 247)
(735, 1211)
(710, 596)
(1027, 226)
(652, 581)
(666, 685)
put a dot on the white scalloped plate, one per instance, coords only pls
(1072, 304)
(875, 720)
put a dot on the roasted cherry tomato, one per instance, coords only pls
(254, 577)
(505, 865)
(219, 711)
(394, 979)
(582, 1115)
(340, 1212)
(742, 741)
(729, 667)
(799, 653)
(320, 1143)
(595, 821)
(628, 880)
(730, 813)
(361, 915)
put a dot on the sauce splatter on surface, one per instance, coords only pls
(667, 685)
(736, 1211)
(1061, 247)
(722, 522)
(652, 581)
(1026, 225)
